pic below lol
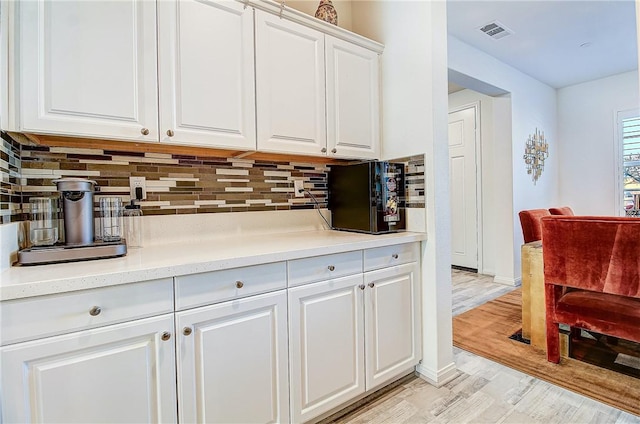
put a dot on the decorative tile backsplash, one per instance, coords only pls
(175, 183)
(414, 196)
(10, 198)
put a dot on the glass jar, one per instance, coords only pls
(133, 225)
(44, 221)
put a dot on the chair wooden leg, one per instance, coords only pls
(553, 342)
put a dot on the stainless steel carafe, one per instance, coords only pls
(77, 207)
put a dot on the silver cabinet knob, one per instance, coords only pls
(361, 286)
(239, 284)
(331, 268)
(334, 150)
(145, 131)
(170, 133)
(186, 331)
(372, 285)
(323, 150)
(394, 256)
(166, 336)
(95, 311)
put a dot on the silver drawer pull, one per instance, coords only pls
(394, 256)
(239, 284)
(95, 311)
(331, 268)
(361, 286)
(166, 336)
(144, 131)
(186, 331)
(372, 285)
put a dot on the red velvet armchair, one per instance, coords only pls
(592, 276)
(531, 226)
(563, 210)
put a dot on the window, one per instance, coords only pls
(629, 124)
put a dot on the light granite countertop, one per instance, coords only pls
(182, 258)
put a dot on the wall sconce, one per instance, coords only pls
(536, 150)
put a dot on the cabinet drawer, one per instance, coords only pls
(217, 286)
(382, 257)
(325, 267)
(31, 318)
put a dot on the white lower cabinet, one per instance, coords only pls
(326, 350)
(122, 373)
(392, 322)
(271, 343)
(350, 335)
(232, 361)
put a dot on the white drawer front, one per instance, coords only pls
(325, 267)
(218, 286)
(36, 317)
(382, 257)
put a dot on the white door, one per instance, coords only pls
(392, 322)
(123, 373)
(352, 100)
(462, 174)
(326, 345)
(232, 361)
(88, 68)
(290, 86)
(206, 72)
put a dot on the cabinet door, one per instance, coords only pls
(353, 122)
(88, 68)
(290, 86)
(326, 344)
(206, 72)
(392, 322)
(119, 373)
(232, 361)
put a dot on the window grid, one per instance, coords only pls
(631, 163)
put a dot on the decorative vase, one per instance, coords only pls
(327, 12)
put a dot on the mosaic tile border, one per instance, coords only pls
(414, 176)
(176, 183)
(10, 189)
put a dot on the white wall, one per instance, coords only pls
(588, 147)
(414, 121)
(533, 105)
(9, 238)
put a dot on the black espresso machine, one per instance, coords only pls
(367, 197)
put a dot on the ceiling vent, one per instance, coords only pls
(496, 30)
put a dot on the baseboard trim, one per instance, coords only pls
(507, 281)
(439, 377)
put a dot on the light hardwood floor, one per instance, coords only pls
(483, 391)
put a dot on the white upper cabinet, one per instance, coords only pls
(190, 72)
(88, 68)
(206, 73)
(352, 100)
(290, 86)
(316, 94)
